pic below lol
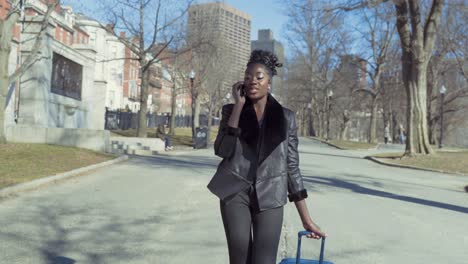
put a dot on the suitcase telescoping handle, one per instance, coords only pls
(298, 256)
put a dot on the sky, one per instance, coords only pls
(265, 14)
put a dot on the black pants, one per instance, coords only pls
(252, 236)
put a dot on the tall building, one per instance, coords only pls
(266, 41)
(229, 29)
(353, 70)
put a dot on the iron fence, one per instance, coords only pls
(117, 120)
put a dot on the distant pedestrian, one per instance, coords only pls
(161, 133)
(402, 134)
(387, 133)
(257, 140)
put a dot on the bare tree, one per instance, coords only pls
(417, 30)
(393, 96)
(147, 22)
(379, 33)
(316, 38)
(7, 26)
(449, 57)
(215, 88)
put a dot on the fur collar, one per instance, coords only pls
(274, 127)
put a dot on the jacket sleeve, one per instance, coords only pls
(296, 188)
(225, 143)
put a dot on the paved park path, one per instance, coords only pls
(158, 210)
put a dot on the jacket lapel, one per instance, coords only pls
(274, 127)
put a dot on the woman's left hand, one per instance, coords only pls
(317, 233)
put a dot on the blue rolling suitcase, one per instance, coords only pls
(298, 260)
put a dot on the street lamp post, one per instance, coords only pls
(442, 91)
(192, 78)
(329, 98)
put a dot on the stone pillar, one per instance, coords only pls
(35, 82)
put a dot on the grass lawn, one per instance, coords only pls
(446, 161)
(182, 137)
(25, 162)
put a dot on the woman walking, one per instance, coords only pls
(258, 142)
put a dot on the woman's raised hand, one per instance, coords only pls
(236, 93)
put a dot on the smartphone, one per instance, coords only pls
(242, 91)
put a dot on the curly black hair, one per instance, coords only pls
(266, 58)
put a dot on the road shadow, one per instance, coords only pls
(399, 182)
(330, 155)
(95, 234)
(187, 162)
(334, 182)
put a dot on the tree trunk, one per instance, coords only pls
(6, 35)
(344, 126)
(417, 44)
(312, 132)
(4, 54)
(3, 94)
(373, 121)
(417, 128)
(173, 109)
(318, 122)
(394, 127)
(142, 126)
(322, 126)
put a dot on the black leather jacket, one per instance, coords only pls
(268, 161)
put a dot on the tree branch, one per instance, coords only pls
(356, 5)
(369, 91)
(432, 24)
(37, 44)
(401, 9)
(155, 56)
(156, 21)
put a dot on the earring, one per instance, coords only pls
(269, 88)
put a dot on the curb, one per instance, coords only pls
(327, 143)
(5, 192)
(376, 160)
(340, 148)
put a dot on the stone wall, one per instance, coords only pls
(38, 106)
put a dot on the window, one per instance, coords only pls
(92, 38)
(67, 76)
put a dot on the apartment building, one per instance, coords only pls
(228, 29)
(266, 41)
